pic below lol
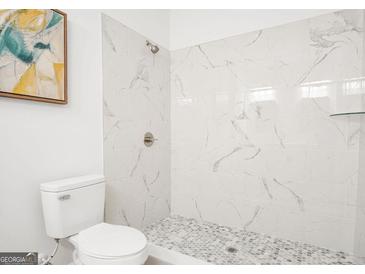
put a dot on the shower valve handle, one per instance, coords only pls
(149, 139)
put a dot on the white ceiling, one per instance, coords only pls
(176, 29)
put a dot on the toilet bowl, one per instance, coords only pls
(73, 209)
(109, 244)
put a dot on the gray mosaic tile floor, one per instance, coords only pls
(224, 245)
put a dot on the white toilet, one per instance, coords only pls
(74, 208)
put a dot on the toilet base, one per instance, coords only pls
(83, 259)
(137, 259)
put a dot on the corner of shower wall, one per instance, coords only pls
(359, 238)
(136, 100)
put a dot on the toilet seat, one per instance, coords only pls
(107, 243)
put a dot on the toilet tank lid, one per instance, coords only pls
(72, 183)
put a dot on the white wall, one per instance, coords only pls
(41, 142)
(193, 27)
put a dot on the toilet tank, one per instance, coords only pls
(73, 204)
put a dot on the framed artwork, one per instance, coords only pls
(33, 55)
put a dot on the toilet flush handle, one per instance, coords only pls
(64, 197)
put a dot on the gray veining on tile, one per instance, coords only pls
(123, 216)
(259, 33)
(136, 99)
(279, 137)
(136, 163)
(206, 56)
(218, 162)
(263, 180)
(109, 40)
(254, 130)
(296, 196)
(257, 152)
(198, 210)
(255, 214)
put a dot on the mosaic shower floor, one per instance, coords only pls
(217, 244)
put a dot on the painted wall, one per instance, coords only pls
(253, 145)
(136, 100)
(40, 142)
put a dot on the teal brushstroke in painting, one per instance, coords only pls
(14, 42)
(56, 18)
(41, 45)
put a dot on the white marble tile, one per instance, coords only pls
(357, 193)
(253, 145)
(136, 100)
(252, 142)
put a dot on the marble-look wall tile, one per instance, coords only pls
(359, 195)
(136, 100)
(253, 145)
(359, 189)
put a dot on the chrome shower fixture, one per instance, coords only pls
(154, 48)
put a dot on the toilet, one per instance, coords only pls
(73, 209)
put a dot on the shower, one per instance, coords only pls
(154, 48)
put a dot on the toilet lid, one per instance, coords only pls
(106, 240)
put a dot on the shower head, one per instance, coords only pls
(154, 48)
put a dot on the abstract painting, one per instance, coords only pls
(33, 55)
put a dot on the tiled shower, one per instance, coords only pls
(249, 138)
(136, 101)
